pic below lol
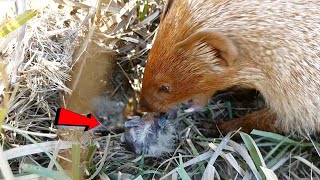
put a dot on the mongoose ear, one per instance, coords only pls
(166, 8)
(220, 45)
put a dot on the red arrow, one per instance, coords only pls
(69, 118)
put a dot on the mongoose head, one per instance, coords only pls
(190, 71)
(185, 64)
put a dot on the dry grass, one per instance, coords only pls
(39, 57)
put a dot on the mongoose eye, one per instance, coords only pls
(164, 88)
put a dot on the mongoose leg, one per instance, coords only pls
(263, 120)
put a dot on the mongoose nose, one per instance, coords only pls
(143, 106)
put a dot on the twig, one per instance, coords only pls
(8, 127)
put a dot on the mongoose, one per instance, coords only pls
(273, 46)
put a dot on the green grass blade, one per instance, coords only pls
(273, 150)
(277, 158)
(274, 136)
(254, 152)
(89, 158)
(229, 109)
(196, 153)
(181, 171)
(139, 178)
(76, 161)
(143, 10)
(43, 171)
(17, 22)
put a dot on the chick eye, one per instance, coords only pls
(164, 88)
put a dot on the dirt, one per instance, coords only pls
(94, 79)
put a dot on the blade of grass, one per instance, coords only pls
(279, 163)
(269, 174)
(210, 172)
(215, 155)
(274, 136)
(17, 22)
(195, 160)
(141, 164)
(242, 151)
(308, 163)
(273, 150)
(46, 152)
(229, 109)
(35, 148)
(254, 152)
(151, 172)
(4, 166)
(54, 154)
(103, 159)
(89, 158)
(181, 171)
(142, 9)
(27, 176)
(76, 161)
(196, 153)
(139, 178)
(315, 145)
(6, 99)
(276, 159)
(43, 172)
(234, 163)
(11, 128)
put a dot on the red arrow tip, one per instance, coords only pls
(93, 122)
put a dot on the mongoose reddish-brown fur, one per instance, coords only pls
(273, 46)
